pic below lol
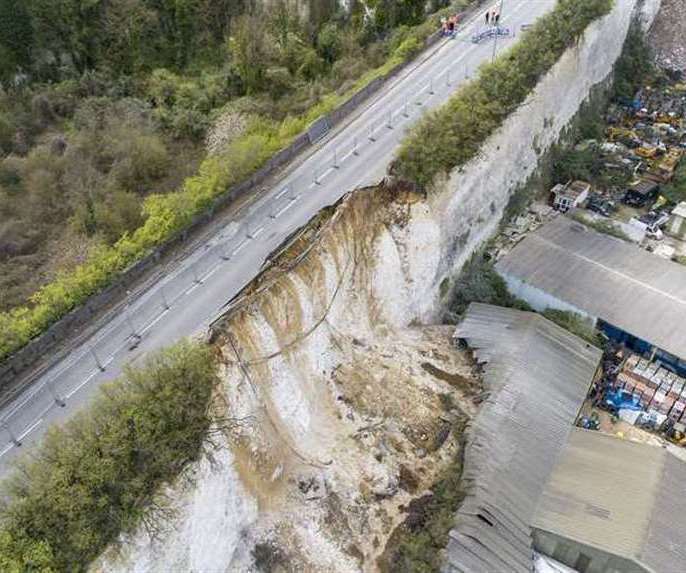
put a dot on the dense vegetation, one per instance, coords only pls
(454, 134)
(96, 477)
(101, 138)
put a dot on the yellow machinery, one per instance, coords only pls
(663, 172)
(674, 121)
(647, 152)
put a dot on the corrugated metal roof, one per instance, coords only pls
(537, 375)
(605, 277)
(622, 497)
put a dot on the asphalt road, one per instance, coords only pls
(186, 300)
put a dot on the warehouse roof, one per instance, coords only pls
(537, 375)
(607, 278)
(621, 497)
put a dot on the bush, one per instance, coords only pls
(96, 476)
(408, 48)
(453, 135)
(329, 42)
(479, 282)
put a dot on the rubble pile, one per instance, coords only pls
(668, 35)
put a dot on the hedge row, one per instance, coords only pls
(454, 134)
(166, 215)
(95, 477)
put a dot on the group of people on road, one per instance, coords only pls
(492, 17)
(449, 25)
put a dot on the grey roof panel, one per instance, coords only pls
(665, 545)
(605, 277)
(622, 497)
(538, 375)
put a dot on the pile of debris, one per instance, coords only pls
(668, 35)
(518, 228)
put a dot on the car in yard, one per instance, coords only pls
(600, 205)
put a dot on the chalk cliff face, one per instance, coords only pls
(470, 203)
(338, 404)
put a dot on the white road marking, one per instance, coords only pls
(238, 249)
(284, 209)
(30, 429)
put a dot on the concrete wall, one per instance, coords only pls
(471, 202)
(570, 553)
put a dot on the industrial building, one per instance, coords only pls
(613, 506)
(537, 487)
(634, 297)
(537, 376)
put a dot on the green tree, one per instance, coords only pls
(95, 477)
(16, 37)
(248, 49)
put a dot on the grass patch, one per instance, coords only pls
(95, 477)
(454, 134)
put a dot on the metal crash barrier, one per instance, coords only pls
(499, 31)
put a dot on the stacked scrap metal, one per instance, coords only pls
(537, 375)
(656, 387)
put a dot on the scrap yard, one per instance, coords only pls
(638, 175)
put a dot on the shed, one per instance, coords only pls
(614, 506)
(566, 197)
(537, 375)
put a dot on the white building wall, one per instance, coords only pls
(540, 300)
